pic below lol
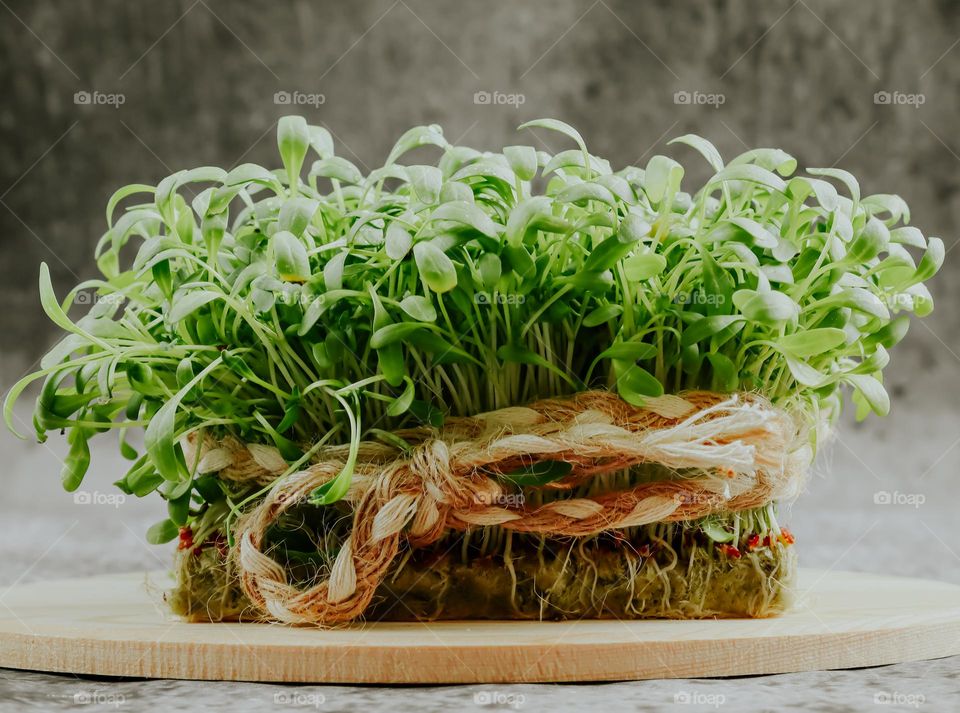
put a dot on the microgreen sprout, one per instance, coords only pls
(283, 305)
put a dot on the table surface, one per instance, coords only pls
(880, 500)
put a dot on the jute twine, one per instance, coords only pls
(745, 451)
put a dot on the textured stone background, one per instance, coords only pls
(199, 79)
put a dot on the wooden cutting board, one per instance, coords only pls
(117, 625)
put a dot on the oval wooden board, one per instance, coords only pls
(116, 625)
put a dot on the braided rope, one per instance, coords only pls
(749, 452)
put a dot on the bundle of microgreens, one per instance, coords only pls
(299, 312)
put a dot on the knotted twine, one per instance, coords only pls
(746, 451)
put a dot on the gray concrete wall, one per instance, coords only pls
(199, 78)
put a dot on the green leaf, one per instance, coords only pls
(490, 269)
(765, 307)
(559, 126)
(321, 141)
(467, 214)
(293, 140)
(529, 216)
(607, 254)
(333, 273)
(338, 169)
(539, 474)
(931, 261)
(806, 374)
(644, 266)
(874, 238)
(811, 342)
(186, 303)
(889, 334)
(574, 158)
(725, 374)
(162, 532)
(179, 508)
(290, 257)
(704, 147)
(634, 383)
(768, 159)
(426, 182)
(716, 531)
(122, 193)
(436, 269)
(126, 450)
(519, 260)
(589, 280)
(77, 462)
(761, 236)
(873, 363)
(397, 242)
(844, 177)
(602, 315)
(859, 299)
(717, 287)
(208, 488)
(489, 170)
(751, 174)
(872, 391)
(143, 480)
(291, 412)
(417, 136)
(247, 173)
(582, 193)
(296, 213)
(401, 404)
(706, 327)
(161, 275)
(393, 333)
(520, 354)
(427, 414)
(662, 179)
(909, 236)
(159, 438)
(144, 380)
(629, 351)
(48, 301)
(443, 351)
(523, 161)
(419, 307)
(236, 364)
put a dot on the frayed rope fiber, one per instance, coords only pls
(748, 452)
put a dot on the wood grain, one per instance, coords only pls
(117, 625)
